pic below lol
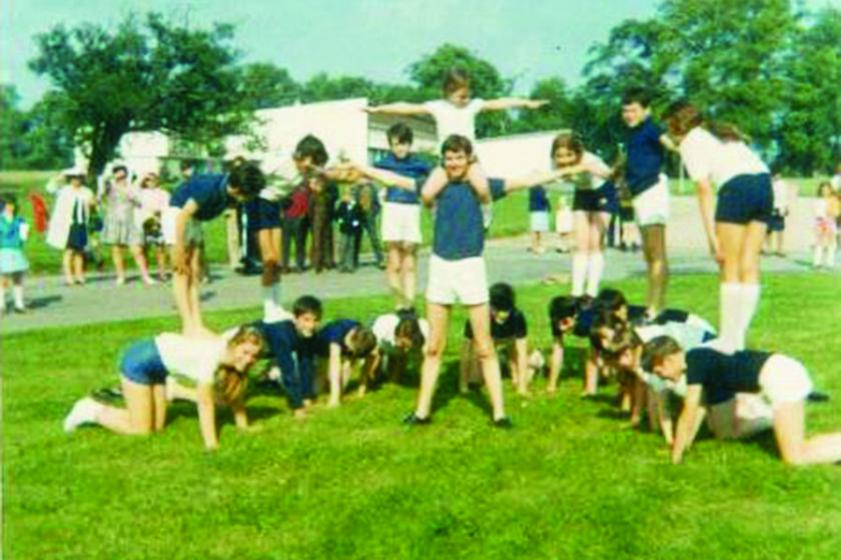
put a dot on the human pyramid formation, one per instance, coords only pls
(669, 362)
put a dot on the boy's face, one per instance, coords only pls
(399, 149)
(564, 157)
(306, 323)
(459, 97)
(120, 175)
(456, 164)
(303, 164)
(634, 113)
(671, 366)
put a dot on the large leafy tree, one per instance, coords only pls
(264, 85)
(142, 76)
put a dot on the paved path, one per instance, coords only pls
(102, 301)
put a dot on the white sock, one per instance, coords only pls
(579, 273)
(272, 307)
(749, 301)
(830, 256)
(268, 302)
(816, 258)
(728, 314)
(18, 295)
(594, 273)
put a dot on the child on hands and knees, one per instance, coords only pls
(219, 367)
(201, 198)
(782, 380)
(342, 344)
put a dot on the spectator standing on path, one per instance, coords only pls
(68, 229)
(349, 216)
(369, 203)
(539, 209)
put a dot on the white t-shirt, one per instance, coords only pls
(281, 182)
(707, 157)
(588, 181)
(780, 194)
(450, 119)
(384, 326)
(194, 358)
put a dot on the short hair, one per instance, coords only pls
(307, 304)
(656, 349)
(362, 341)
(457, 143)
(502, 297)
(311, 147)
(637, 94)
(682, 116)
(248, 179)
(401, 133)
(611, 299)
(562, 307)
(119, 167)
(454, 80)
(408, 326)
(569, 140)
(622, 338)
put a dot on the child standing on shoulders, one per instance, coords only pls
(68, 230)
(826, 213)
(538, 218)
(13, 264)
(401, 221)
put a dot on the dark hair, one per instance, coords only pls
(313, 148)
(456, 143)
(401, 133)
(562, 307)
(656, 349)
(569, 140)
(248, 179)
(120, 167)
(307, 304)
(637, 94)
(622, 337)
(682, 116)
(409, 327)
(454, 80)
(611, 300)
(502, 297)
(362, 341)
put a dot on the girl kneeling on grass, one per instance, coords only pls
(782, 380)
(218, 367)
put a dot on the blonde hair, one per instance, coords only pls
(229, 385)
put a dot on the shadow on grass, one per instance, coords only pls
(41, 302)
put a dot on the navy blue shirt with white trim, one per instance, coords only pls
(645, 156)
(410, 166)
(724, 374)
(334, 332)
(210, 192)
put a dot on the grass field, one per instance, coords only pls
(568, 482)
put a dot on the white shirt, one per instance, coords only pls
(707, 157)
(384, 326)
(450, 119)
(281, 182)
(194, 358)
(780, 195)
(588, 181)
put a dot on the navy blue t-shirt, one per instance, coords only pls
(459, 231)
(514, 326)
(292, 354)
(497, 188)
(410, 166)
(645, 156)
(334, 332)
(538, 201)
(584, 317)
(210, 193)
(724, 374)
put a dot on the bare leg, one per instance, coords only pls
(119, 265)
(654, 249)
(67, 266)
(136, 418)
(409, 273)
(79, 266)
(393, 273)
(140, 260)
(480, 322)
(789, 430)
(438, 316)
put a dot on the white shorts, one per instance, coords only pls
(539, 221)
(651, 207)
(784, 380)
(401, 222)
(193, 232)
(464, 281)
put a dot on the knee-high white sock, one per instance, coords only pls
(816, 256)
(18, 295)
(728, 314)
(749, 301)
(271, 302)
(579, 273)
(594, 273)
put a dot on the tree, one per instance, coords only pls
(11, 120)
(559, 113)
(142, 77)
(265, 85)
(485, 82)
(322, 87)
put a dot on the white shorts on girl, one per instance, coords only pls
(463, 281)
(539, 221)
(651, 207)
(784, 380)
(192, 233)
(401, 222)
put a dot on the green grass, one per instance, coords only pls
(568, 482)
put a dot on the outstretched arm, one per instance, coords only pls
(382, 176)
(513, 103)
(534, 179)
(686, 424)
(400, 108)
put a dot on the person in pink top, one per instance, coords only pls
(153, 200)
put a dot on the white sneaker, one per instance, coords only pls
(84, 411)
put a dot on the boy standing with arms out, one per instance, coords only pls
(649, 189)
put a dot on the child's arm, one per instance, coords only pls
(706, 203)
(433, 186)
(207, 415)
(668, 143)
(513, 103)
(334, 374)
(538, 178)
(556, 364)
(385, 177)
(240, 416)
(399, 108)
(686, 424)
(369, 367)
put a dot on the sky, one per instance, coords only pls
(524, 39)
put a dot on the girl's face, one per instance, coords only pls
(9, 208)
(459, 97)
(243, 355)
(672, 366)
(456, 164)
(564, 157)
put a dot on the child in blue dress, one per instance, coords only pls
(13, 264)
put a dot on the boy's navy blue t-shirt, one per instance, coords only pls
(459, 231)
(334, 332)
(514, 326)
(645, 156)
(724, 374)
(538, 201)
(210, 193)
(410, 166)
